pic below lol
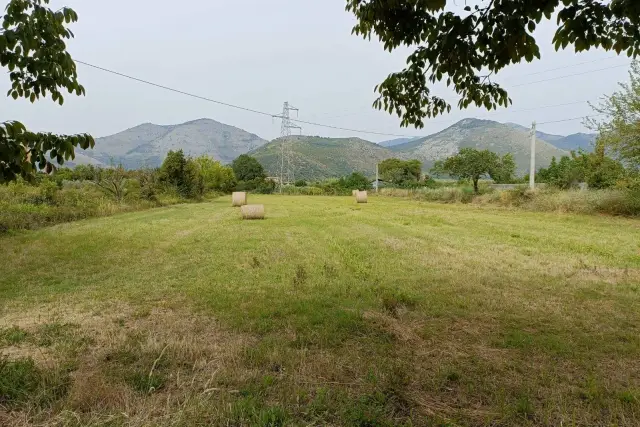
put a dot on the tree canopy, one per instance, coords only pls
(596, 169)
(216, 176)
(473, 164)
(182, 173)
(247, 168)
(466, 45)
(33, 50)
(355, 181)
(619, 133)
(400, 172)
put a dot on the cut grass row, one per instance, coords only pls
(394, 312)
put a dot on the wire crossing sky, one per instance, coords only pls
(232, 53)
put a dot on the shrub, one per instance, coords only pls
(25, 206)
(258, 185)
(612, 202)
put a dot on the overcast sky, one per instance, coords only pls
(258, 54)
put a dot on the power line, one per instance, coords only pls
(232, 105)
(571, 119)
(353, 130)
(147, 82)
(568, 66)
(570, 75)
(173, 90)
(525, 75)
(519, 111)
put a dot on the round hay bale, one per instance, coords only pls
(252, 211)
(238, 198)
(354, 192)
(361, 197)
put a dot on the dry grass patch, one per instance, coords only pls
(396, 312)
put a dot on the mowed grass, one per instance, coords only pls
(396, 312)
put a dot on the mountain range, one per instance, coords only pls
(147, 145)
(315, 157)
(480, 134)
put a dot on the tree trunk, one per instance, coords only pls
(475, 185)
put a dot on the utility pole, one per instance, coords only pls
(532, 166)
(286, 163)
(377, 177)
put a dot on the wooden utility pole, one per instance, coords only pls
(532, 166)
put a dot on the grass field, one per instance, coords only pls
(397, 312)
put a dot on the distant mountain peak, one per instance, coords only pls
(147, 144)
(473, 122)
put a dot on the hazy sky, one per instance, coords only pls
(258, 54)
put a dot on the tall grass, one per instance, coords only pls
(24, 206)
(610, 202)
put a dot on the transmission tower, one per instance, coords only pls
(287, 168)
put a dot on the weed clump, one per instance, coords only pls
(23, 383)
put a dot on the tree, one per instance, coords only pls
(619, 134)
(466, 47)
(32, 47)
(503, 170)
(596, 169)
(183, 174)
(469, 163)
(355, 181)
(247, 168)
(216, 177)
(400, 172)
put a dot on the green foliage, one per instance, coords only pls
(257, 185)
(32, 47)
(29, 206)
(216, 177)
(112, 181)
(247, 168)
(471, 164)
(480, 41)
(84, 172)
(300, 183)
(596, 169)
(148, 179)
(183, 174)
(355, 181)
(251, 175)
(619, 134)
(22, 382)
(503, 171)
(403, 173)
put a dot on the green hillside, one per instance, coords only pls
(482, 135)
(315, 157)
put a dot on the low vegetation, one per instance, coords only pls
(398, 312)
(610, 202)
(88, 191)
